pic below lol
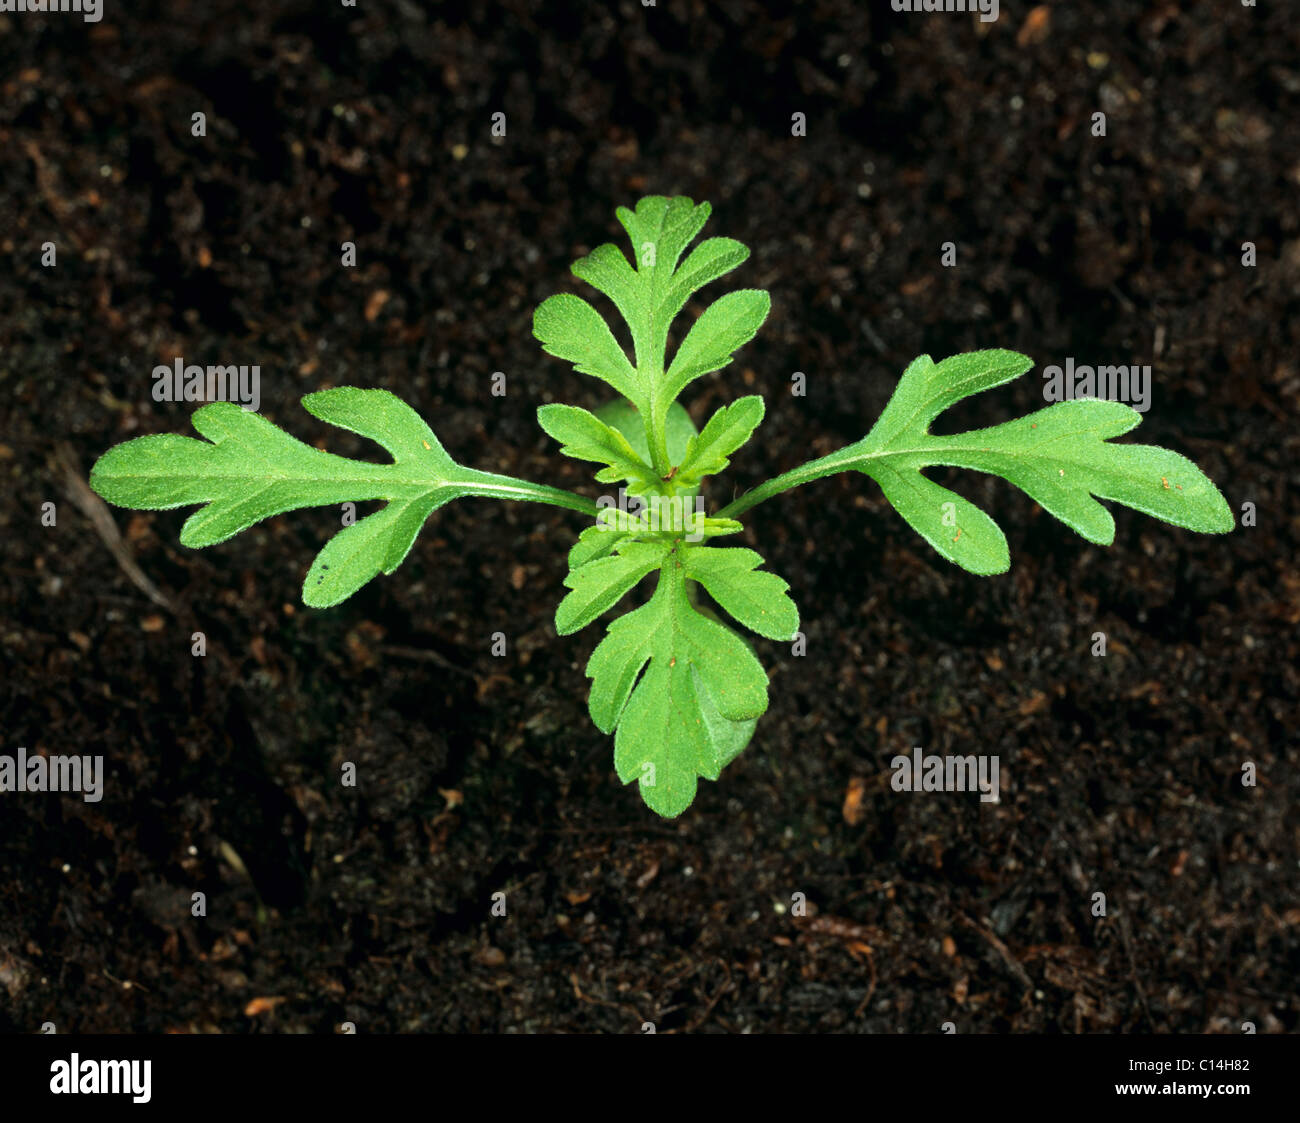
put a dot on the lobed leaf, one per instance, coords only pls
(600, 584)
(757, 600)
(729, 428)
(570, 328)
(248, 469)
(727, 324)
(649, 293)
(1061, 456)
(672, 684)
(584, 436)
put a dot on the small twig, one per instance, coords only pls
(1012, 964)
(426, 655)
(48, 185)
(96, 510)
(708, 1010)
(871, 987)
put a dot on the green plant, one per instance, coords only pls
(680, 689)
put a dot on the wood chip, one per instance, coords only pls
(262, 1005)
(853, 810)
(1036, 26)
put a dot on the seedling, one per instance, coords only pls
(680, 689)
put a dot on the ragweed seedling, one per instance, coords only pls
(679, 688)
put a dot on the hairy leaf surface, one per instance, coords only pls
(1063, 457)
(248, 469)
(661, 678)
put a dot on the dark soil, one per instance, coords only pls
(481, 775)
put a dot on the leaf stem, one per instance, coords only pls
(839, 461)
(656, 421)
(494, 486)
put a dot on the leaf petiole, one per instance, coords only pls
(494, 486)
(829, 465)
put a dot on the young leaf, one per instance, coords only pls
(249, 469)
(649, 293)
(584, 436)
(594, 542)
(1061, 456)
(599, 585)
(729, 428)
(627, 419)
(666, 735)
(757, 600)
(660, 230)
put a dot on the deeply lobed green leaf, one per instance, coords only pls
(649, 292)
(601, 583)
(248, 470)
(585, 436)
(757, 600)
(1061, 456)
(672, 685)
(681, 690)
(730, 427)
